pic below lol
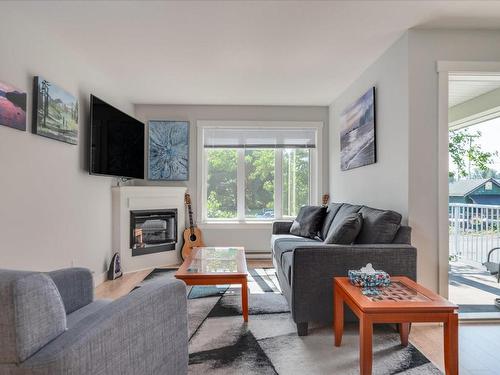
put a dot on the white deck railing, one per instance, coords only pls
(474, 231)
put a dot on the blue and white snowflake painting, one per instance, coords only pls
(169, 150)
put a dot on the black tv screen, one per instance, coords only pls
(116, 142)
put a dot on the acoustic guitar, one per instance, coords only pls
(192, 235)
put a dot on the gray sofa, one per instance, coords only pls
(50, 324)
(305, 267)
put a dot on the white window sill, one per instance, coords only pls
(257, 224)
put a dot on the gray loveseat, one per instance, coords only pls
(50, 324)
(305, 267)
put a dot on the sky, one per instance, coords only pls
(57, 92)
(490, 139)
(6, 87)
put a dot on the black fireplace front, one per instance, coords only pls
(153, 231)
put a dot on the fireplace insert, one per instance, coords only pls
(153, 231)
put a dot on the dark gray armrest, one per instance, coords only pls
(76, 287)
(144, 332)
(315, 267)
(282, 227)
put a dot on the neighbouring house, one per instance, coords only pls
(475, 191)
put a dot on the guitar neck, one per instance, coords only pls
(190, 212)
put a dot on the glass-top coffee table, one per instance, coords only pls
(402, 302)
(217, 266)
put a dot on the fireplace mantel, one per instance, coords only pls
(130, 198)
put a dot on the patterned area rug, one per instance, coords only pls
(221, 343)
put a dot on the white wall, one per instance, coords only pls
(253, 239)
(405, 178)
(385, 183)
(52, 213)
(426, 47)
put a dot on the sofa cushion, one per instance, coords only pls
(379, 226)
(345, 232)
(75, 285)
(32, 314)
(284, 245)
(331, 211)
(276, 237)
(309, 221)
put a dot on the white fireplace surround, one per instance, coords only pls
(128, 198)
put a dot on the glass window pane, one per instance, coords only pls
(296, 181)
(259, 183)
(221, 184)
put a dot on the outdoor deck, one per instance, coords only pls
(473, 288)
(474, 231)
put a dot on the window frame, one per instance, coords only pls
(315, 179)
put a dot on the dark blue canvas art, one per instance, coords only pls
(169, 150)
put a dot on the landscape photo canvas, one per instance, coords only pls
(357, 133)
(168, 150)
(55, 112)
(12, 107)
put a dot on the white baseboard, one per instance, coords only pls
(258, 254)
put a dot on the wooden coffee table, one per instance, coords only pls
(217, 266)
(403, 302)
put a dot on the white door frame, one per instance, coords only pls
(444, 68)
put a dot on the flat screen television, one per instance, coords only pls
(116, 142)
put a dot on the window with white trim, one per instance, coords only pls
(257, 173)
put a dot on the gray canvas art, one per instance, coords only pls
(169, 150)
(357, 133)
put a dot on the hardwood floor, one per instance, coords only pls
(117, 288)
(479, 344)
(113, 289)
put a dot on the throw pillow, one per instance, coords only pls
(379, 226)
(309, 221)
(331, 211)
(345, 231)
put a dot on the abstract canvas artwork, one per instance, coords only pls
(169, 150)
(357, 133)
(12, 107)
(55, 112)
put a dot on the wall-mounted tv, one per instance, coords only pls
(116, 142)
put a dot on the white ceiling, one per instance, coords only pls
(464, 88)
(260, 52)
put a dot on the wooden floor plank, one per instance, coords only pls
(113, 289)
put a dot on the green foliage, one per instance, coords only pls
(259, 182)
(466, 154)
(296, 169)
(221, 184)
